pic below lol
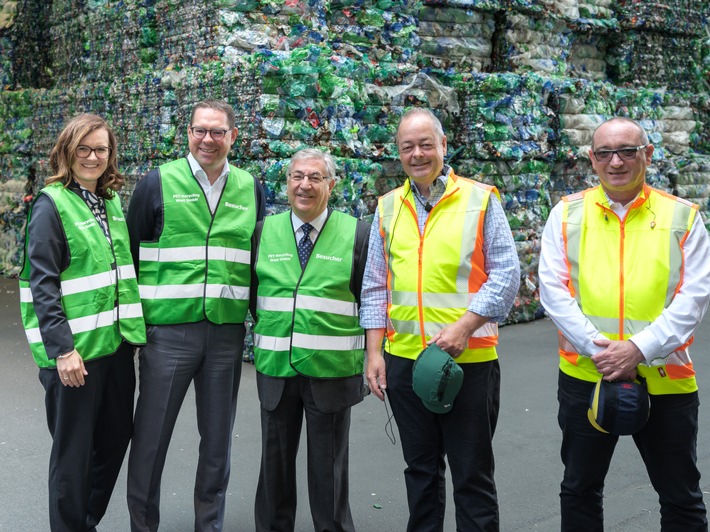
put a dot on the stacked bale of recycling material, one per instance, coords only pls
(81, 50)
(590, 39)
(383, 36)
(660, 43)
(456, 36)
(505, 138)
(8, 8)
(17, 173)
(693, 181)
(555, 37)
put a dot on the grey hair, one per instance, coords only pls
(414, 111)
(312, 153)
(644, 135)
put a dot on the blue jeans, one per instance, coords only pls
(667, 444)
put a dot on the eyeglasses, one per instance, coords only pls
(102, 152)
(625, 154)
(316, 178)
(200, 132)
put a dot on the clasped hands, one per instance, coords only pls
(618, 359)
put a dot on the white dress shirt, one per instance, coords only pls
(212, 191)
(317, 225)
(673, 327)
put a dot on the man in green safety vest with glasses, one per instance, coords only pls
(191, 222)
(308, 265)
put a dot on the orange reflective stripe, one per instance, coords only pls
(483, 341)
(680, 372)
(567, 350)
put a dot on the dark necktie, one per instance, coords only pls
(305, 246)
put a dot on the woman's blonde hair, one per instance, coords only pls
(63, 155)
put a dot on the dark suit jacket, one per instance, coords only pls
(330, 395)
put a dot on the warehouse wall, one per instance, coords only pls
(519, 85)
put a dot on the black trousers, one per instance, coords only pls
(90, 426)
(328, 458)
(463, 436)
(667, 444)
(210, 356)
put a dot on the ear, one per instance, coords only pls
(235, 134)
(649, 153)
(331, 184)
(592, 159)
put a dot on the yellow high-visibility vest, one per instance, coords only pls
(623, 273)
(432, 276)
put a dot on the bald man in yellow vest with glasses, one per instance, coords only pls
(625, 276)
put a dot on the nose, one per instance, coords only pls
(92, 155)
(417, 151)
(618, 161)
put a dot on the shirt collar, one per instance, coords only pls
(616, 206)
(438, 184)
(317, 223)
(200, 174)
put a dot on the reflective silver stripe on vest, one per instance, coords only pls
(274, 304)
(329, 343)
(575, 213)
(675, 253)
(320, 304)
(310, 341)
(225, 291)
(25, 294)
(184, 291)
(611, 325)
(126, 272)
(87, 283)
(468, 242)
(431, 300)
(199, 253)
(95, 321)
(272, 343)
(680, 357)
(432, 328)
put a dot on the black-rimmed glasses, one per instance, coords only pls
(200, 132)
(102, 152)
(625, 154)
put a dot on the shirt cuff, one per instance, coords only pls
(648, 344)
(373, 319)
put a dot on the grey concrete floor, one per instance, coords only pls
(526, 445)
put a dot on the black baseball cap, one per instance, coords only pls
(619, 407)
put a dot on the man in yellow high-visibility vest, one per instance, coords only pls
(625, 276)
(441, 268)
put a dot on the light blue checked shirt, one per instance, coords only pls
(496, 296)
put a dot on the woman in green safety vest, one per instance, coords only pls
(82, 316)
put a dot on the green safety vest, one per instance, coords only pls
(199, 268)
(307, 320)
(101, 303)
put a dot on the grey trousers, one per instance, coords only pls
(210, 356)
